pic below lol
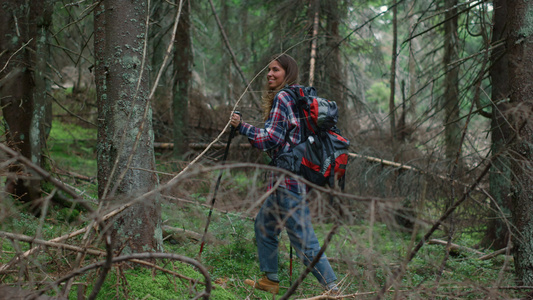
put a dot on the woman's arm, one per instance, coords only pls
(276, 125)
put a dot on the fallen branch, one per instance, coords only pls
(347, 296)
(407, 168)
(29, 239)
(180, 177)
(244, 146)
(495, 253)
(172, 231)
(148, 264)
(453, 246)
(44, 174)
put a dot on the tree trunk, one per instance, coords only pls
(182, 70)
(315, 8)
(497, 234)
(334, 70)
(392, 107)
(125, 142)
(23, 85)
(452, 128)
(414, 47)
(100, 82)
(162, 99)
(521, 119)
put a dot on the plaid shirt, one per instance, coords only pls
(283, 118)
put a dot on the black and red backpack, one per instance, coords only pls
(322, 155)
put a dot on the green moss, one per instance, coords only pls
(72, 147)
(141, 283)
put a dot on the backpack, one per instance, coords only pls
(322, 148)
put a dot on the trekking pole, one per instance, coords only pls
(231, 135)
(290, 265)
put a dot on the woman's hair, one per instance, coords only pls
(291, 77)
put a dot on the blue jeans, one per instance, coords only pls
(284, 208)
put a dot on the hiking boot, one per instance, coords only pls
(333, 291)
(264, 284)
(334, 294)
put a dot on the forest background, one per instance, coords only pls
(116, 115)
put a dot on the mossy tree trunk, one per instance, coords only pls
(519, 46)
(182, 71)
(26, 106)
(125, 155)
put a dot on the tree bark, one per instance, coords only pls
(125, 143)
(452, 128)
(100, 82)
(521, 118)
(334, 69)
(23, 85)
(497, 234)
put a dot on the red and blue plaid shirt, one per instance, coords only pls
(283, 118)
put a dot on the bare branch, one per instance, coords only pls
(399, 273)
(69, 112)
(228, 46)
(29, 239)
(45, 175)
(105, 269)
(14, 53)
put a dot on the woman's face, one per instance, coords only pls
(276, 75)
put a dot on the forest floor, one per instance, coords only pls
(367, 249)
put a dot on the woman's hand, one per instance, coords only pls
(235, 120)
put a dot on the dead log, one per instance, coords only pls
(496, 253)
(179, 234)
(454, 247)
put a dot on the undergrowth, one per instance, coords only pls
(364, 254)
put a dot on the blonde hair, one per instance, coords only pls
(291, 77)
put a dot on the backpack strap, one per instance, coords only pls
(304, 120)
(330, 152)
(303, 129)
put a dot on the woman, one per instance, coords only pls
(287, 203)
